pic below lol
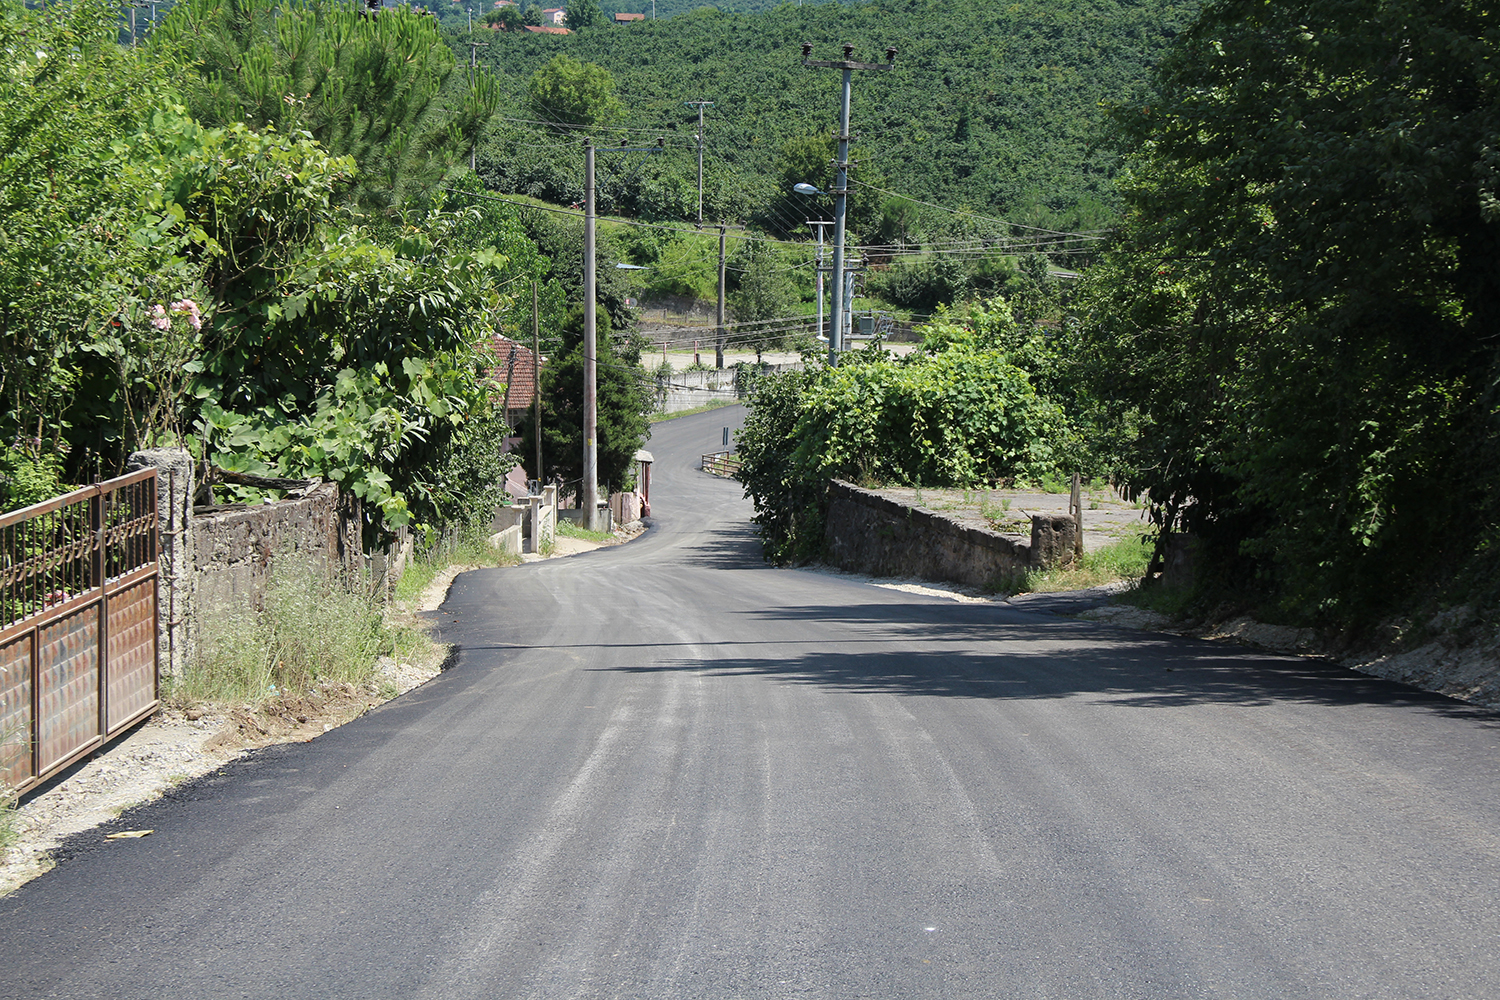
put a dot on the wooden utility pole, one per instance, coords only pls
(841, 181)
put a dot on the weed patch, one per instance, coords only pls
(309, 630)
(568, 529)
(1125, 559)
(10, 826)
(466, 546)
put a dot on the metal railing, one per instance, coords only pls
(78, 624)
(721, 463)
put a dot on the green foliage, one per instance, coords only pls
(505, 19)
(27, 478)
(80, 245)
(760, 289)
(380, 89)
(790, 507)
(622, 406)
(1296, 314)
(584, 14)
(962, 416)
(566, 92)
(992, 106)
(309, 629)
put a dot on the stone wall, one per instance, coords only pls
(235, 549)
(869, 533)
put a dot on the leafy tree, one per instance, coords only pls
(584, 14)
(760, 290)
(620, 399)
(323, 352)
(958, 413)
(505, 19)
(566, 92)
(81, 251)
(369, 87)
(1300, 311)
(531, 14)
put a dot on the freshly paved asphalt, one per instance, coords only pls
(666, 770)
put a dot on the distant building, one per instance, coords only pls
(508, 357)
(555, 15)
(547, 29)
(627, 18)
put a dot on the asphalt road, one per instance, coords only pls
(668, 771)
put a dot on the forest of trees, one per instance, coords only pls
(993, 107)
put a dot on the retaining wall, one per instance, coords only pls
(870, 533)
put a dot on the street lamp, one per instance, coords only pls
(808, 189)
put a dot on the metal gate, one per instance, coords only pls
(78, 606)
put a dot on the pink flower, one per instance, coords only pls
(190, 309)
(159, 318)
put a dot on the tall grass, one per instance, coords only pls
(10, 827)
(1123, 559)
(571, 529)
(468, 545)
(10, 831)
(309, 629)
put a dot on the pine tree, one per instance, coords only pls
(364, 84)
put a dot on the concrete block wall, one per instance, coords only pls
(625, 507)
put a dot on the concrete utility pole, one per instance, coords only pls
(819, 270)
(700, 105)
(841, 181)
(536, 382)
(134, 5)
(589, 491)
(474, 47)
(719, 347)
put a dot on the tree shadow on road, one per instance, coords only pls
(734, 546)
(990, 652)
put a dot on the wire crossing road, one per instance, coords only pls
(666, 770)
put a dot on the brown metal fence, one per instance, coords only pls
(78, 608)
(721, 463)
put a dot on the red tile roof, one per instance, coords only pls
(547, 29)
(523, 376)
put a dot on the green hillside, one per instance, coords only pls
(992, 107)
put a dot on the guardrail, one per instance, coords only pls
(725, 464)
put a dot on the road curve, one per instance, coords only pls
(666, 770)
